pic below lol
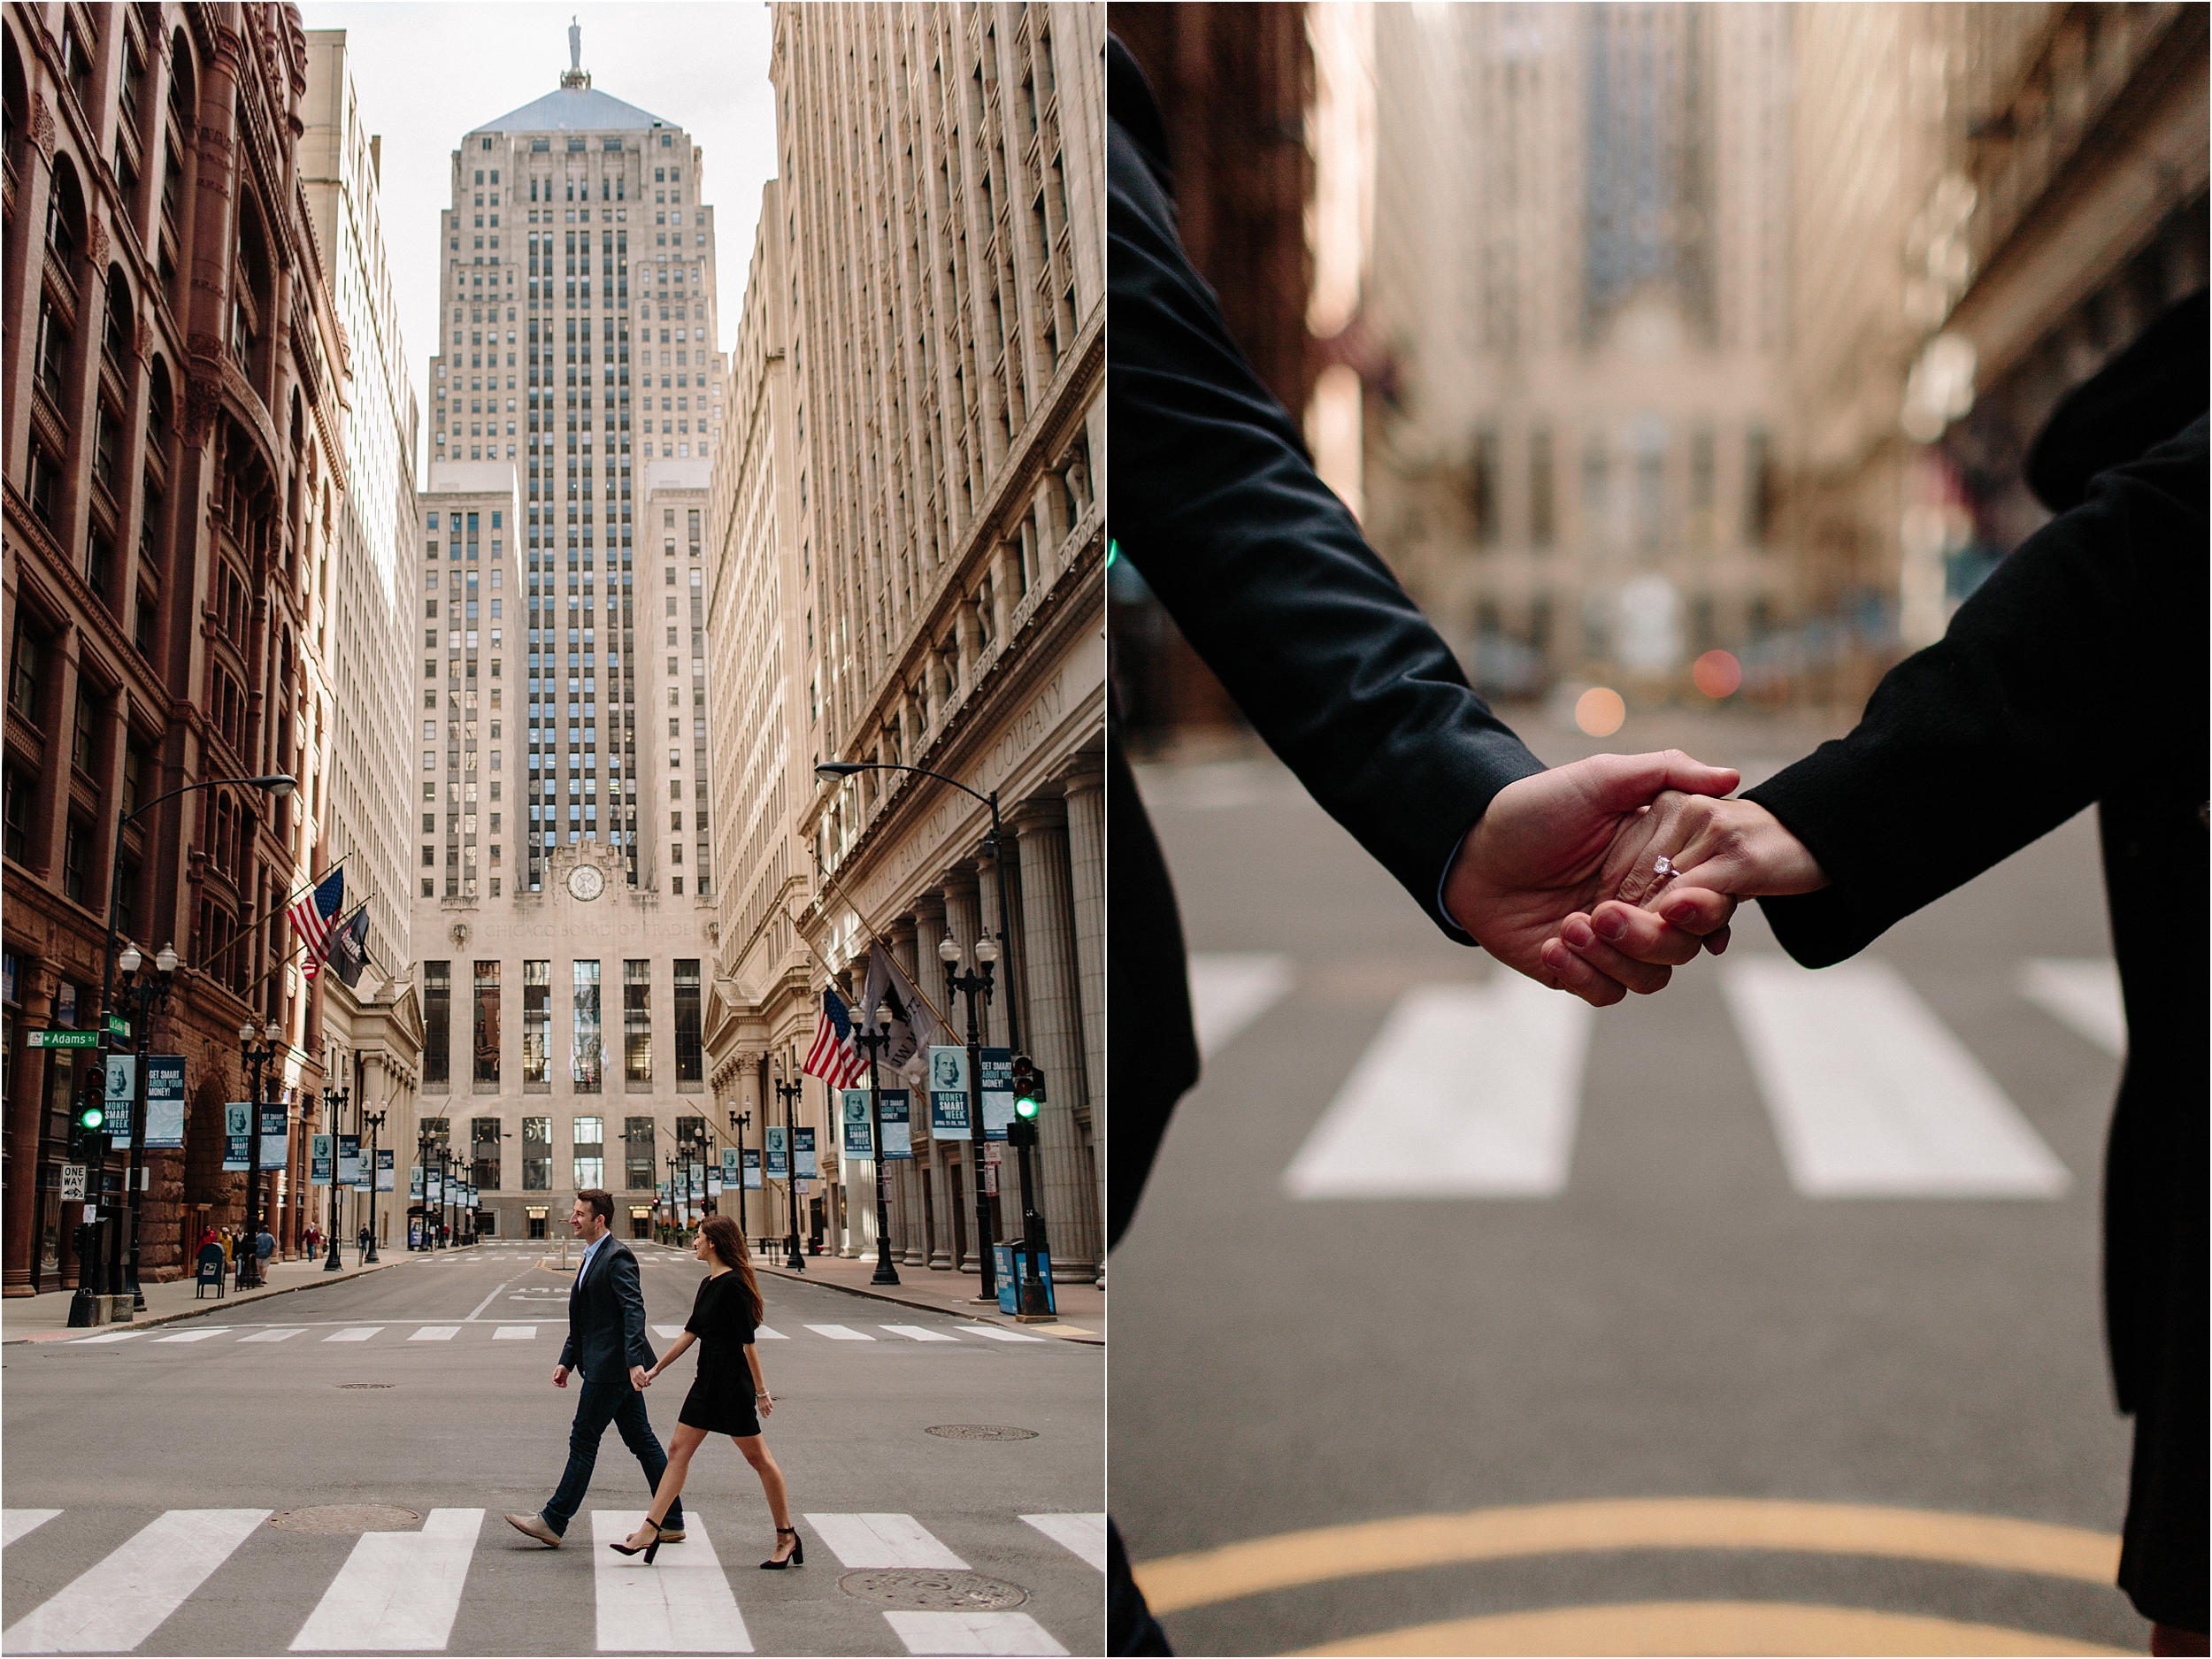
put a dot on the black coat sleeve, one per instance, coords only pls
(629, 1297)
(1266, 573)
(2077, 671)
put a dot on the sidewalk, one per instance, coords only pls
(1082, 1307)
(45, 1318)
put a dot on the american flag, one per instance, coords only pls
(835, 1056)
(312, 915)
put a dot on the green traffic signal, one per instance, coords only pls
(1026, 1107)
(90, 1118)
(1029, 1087)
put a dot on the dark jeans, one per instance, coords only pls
(612, 1400)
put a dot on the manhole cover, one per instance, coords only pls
(341, 1519)
(981, 1432)
(363, 1385)
(932, 1590)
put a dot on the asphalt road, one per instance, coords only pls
(1678, 1316)
(219, 1413)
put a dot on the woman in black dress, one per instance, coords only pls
(729, 1395)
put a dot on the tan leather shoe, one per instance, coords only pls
(534, 1526)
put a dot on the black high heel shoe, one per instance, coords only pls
(651, 1550)
(797, 1558)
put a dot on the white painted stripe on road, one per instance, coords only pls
(840, 1333)
(1468, 1091)
(679, 1604)
(436, 1333)
(2082, 994)
(998, 1335)
(1871, 1095)
(108, 1336)
(919, 1333)
(399, 1592)
(1229, 989)
(514, 1333)
(356, 1334)
(15, 1523)
(275, 1336)
(972, 1633)
(882, 1540)
(1084, 1535)
(668, 1333)
(122, 1599)
(194, 1336)
(767, 1333)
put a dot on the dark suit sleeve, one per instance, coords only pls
(568, 1345)
(2075, 670)
(1266, 573)
(629, 1298)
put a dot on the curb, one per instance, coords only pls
(922, 1307)
(223, 1305)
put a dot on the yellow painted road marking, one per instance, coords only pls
(1403, 1542)
(1707, 1627)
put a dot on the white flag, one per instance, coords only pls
(912, 1027)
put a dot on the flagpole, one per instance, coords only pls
(335, 927)
(245, 930)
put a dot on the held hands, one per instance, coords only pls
(640, 1378)
(1553, 845)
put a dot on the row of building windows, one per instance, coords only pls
(586, 1147)
(587, 1057)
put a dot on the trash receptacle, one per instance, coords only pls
(1002, 1272)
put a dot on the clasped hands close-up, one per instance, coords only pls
(1601, 876)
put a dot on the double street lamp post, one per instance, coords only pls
(971, 986)
(371, 1122)
(739, 1122)
(790, 1093)
(260, 1061)
(873, 1042)
(335, 1101)
(148, 994)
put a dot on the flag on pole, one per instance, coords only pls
(913, 1028)
(835, 1056)
(349, 948)
(312, 914)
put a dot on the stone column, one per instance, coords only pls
(906, 1202)
(1086, 869)
(24, 1109)
(929, 927)
(1054, 1038)
(961, 921)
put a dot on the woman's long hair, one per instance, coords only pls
(728, 1244)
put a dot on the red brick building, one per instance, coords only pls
(172, 364)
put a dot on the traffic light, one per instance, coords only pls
(84, 1129)
(1029, 1098)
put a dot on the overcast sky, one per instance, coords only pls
(428, 73)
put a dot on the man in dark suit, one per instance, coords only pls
(606, 1343)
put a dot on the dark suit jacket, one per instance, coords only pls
(1268, 576)
(606, 1316)
(2077, 673)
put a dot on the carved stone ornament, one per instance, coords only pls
(202, 396)
(42, 126)
(96, 244)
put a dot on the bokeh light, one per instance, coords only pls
(1599, 712)
(1717, 674)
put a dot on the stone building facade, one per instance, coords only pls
(177, 471)
(909, 560)
(558, 580)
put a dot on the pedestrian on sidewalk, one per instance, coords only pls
(606, 1332)
(729, 1395)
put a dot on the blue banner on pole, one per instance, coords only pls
(122, 1090)
(275, 1142)
(752, 1168)
(779, 1168)
(949, 1093)
(802, 1151)
(383, 1170)
(859, 1142)
(350, 1172)
(318, 1157)
(165, 1101)
(998, 1092)
(897, 1127)
(237, 1134)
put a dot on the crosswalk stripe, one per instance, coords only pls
(1871, 1096)
(120, 1601)
(840, 1333)
(679, 1604)
(768, 1333)
(919, 1333)
(2082, 994)
(1229, 989)
(107, 1336)
(1468, 1091)
(514, 1333)
(355, 1333)
(668, 1333)
(882, 1540)
(436, 1333)
(397, 1591)
(194, 1336)
(273, 1336)
(15, 1523)
(1084, 1535)
(999, 1335)
(972, 1633)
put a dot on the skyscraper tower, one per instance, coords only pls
(575, 411)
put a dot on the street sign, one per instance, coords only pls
(118, 1026)
(61, 1039)
(72, 1182)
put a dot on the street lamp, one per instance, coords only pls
(334, 1100)
(741, 1121)
(148, 995)
(972, 985)
(873, 1042)
(257, 1057)
(371, 1122)
(790, 1093)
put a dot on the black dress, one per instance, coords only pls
(721, 1397)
